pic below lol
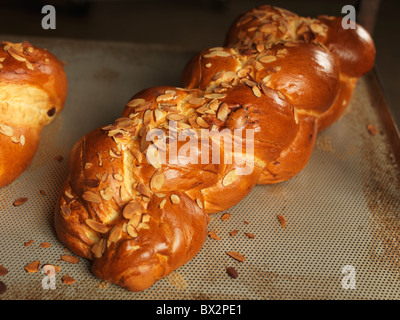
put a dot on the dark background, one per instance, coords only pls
(199, 24)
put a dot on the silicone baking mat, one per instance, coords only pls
(342, 236)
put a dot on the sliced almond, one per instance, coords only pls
(32, 267)
(88, 165)
(68, 280)
(45, 245)
(160, 195)
(175, 117)
(267, 59)
(201, 122)
(70, 259)
(157, 181)
(196, 101)
(282, 29)
(199, 203)
(158, 115)
(258, 65)
(106, 194)
(256, 91)
(146, 218)
(372, 129)
(138, 155)
(135, 102)
(68, 194)
(135, 220)
(242, 73)
(147, 117)
(22, 140)
(98, 248)
(217, 53)
(229, 178)
(213, 235)
(215, 95)
(96, 225)
(231, 271)
(143, 226)
(223, 112)
(162, 203)
(175, 199)
(143, 189)
(114, 154)
(115, 235)
(316, 28)
(6, 130)
(132, 209)
(249, 235)
(153, 158)
(104, 177)
(236, 255)
(282, 220)
(3, 271)
(20, 202)
(27, 244)
(91, 196)
(280, 95)
(268, 28)
(250, 83)
(165, 97)
(130, 229)
(118, 177)
(65, 210)
(267, 79)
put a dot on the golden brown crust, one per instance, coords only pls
(138, 206)
(15, 157)
(33, 89)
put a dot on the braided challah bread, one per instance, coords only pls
(139, 192)
(33, 89)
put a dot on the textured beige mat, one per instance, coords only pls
(342, 210)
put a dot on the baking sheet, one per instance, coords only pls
(341, 210)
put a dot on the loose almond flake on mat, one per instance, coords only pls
(236, 255)
(20, 202)
(232, 272)
(249, 235)
(233, 232)
(372, 129)
(3, 270)
(225, 216)
(70, 259)
(282, 220)
(68, 280)
(213, 235)
(32, 267)
(27, 244)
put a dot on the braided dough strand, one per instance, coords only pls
(137, 207)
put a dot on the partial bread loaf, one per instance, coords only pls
(279, 79)
(33, 89)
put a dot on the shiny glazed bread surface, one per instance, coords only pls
(280, 79)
